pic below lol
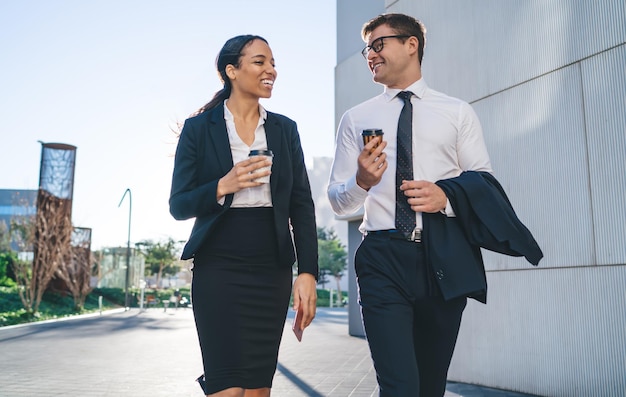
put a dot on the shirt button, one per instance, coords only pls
(439, 274)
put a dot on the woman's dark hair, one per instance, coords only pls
(401, 24)
(230, 54)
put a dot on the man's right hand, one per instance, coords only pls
(372, 164)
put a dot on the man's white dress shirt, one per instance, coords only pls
(447, 140)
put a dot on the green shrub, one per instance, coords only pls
(9, 299)
(323, 298)
(53, 305)
(7, 258)
(113, 295)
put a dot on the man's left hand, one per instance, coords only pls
(424, 196)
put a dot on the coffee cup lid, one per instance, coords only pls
(372, 131)
(260, 153)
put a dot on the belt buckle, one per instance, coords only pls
(415, 236)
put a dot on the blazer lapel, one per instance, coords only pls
(219, 136)
(274, 136)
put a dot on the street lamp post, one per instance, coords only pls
(130, 210)
(142, 286)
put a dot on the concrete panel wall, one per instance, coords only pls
(493, 45)
(351, 15)
(603, 79)
(549, 332)
(535, 135)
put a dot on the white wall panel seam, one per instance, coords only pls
(544, 74)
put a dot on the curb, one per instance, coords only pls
(67, 318)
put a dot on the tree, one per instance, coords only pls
(322, 277)
(7, 260)
(161, 257)
(75, 268)
(22, 232)
(5, 237)
(7, 257)
(47, 235)
(51, 245)
(332, 256)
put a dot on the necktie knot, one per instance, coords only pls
(405, 96)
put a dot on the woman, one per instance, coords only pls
(241, 243)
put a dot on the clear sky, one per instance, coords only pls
(114, 77)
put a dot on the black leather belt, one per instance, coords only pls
(415, 236)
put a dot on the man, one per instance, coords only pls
(415, 267)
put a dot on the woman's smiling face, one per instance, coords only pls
(256, 73)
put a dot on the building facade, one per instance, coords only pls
(548, 82)
(14, 204)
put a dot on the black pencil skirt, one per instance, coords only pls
(240, 297)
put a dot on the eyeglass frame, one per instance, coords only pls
(366, 50)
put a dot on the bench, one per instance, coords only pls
(149, 300)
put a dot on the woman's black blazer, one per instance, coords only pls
(203, 156)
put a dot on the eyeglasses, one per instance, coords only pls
(378, 44)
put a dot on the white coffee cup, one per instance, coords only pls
(270, 156)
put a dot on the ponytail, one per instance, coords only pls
(218, 98)
(229, 55)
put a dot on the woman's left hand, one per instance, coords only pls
(305, 297)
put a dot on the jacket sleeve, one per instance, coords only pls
(191, 195)
(302, 210)
(487, 216)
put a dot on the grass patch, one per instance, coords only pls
(52, 306)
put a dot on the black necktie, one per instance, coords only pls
(405, 216)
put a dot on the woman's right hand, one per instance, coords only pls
(242, 175)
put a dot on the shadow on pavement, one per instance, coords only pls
(303, 386)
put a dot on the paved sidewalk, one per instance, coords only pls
(155, 353)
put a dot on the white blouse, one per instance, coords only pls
(259, 196)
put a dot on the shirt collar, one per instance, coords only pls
(228, 116)
(418, 88)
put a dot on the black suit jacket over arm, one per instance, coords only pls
(203, 156)
(484, 219)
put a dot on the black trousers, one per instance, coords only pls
(410, 329)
